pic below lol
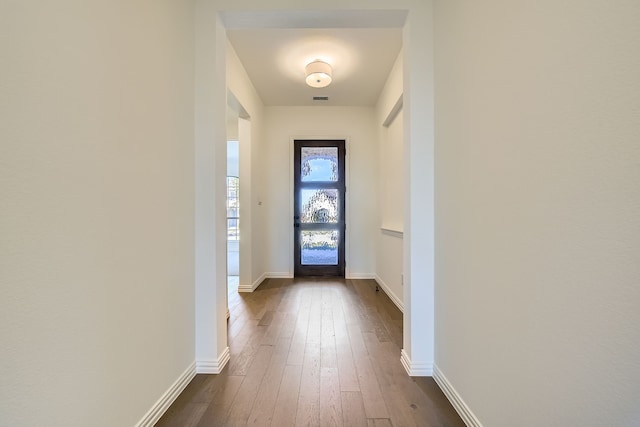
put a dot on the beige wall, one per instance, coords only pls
(391, 203)
(357, 125)
(537, 207)
(250, 133)
(96, 229)
(536, 195)
(391, 172)
(389, 260)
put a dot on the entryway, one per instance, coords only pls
(319, 208)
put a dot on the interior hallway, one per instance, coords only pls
(317, 352)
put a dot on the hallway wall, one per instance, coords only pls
(391, 203)
(537, 207)
(97, 222)
(251, 134)
(389, 247)
(357, 124)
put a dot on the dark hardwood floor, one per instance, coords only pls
(312, 352)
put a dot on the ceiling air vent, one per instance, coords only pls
(320, 98)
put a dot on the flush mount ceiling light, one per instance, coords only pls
(318, 74)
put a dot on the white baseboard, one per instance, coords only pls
(281, 275)
(254, 285)
(393, 297)
(456, 400)
(213, 366)
(161, 406)
(359, 276)
(246, 288)
(416, 369)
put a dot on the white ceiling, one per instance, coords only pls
(274, 59)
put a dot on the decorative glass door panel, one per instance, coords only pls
(319, 205)
(319, 220)
(319, 164)
(319, 247)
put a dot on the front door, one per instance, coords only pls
(319, 208)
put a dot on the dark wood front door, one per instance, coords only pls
(319, 208)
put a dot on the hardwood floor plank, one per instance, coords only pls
(266, 318)
(299, 339)
(243, 403)
(224, 389)
(236, 323)
(265, 401)
(346, 365)
(379, 422)
(407, 402)
(308, 412)
(273, 330)
(276, 294)
(374, 404)
(442, 410)
(190, 416)
(285, 409)
(313, 352)
(330, 398)
(328, 356)
(353, 306)
(288, 324)
(222, 397)
(188, 408)
(367, 293)
(358, 348)
(241, 336)
(241, 359)
(400, 406)
(353, 409)
(254, 305)
(314, 333)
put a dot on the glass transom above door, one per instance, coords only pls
(319, 164)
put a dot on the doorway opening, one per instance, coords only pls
(233, 216)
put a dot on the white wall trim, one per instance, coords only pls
(359, 276)
(387, 290)
(287, 275)
(258, 282)
(393, 113)
(169, 396)
(252, 287)
(281, 275)
(213, 366)
(456, 400)
(392, 231)
(416, 369)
